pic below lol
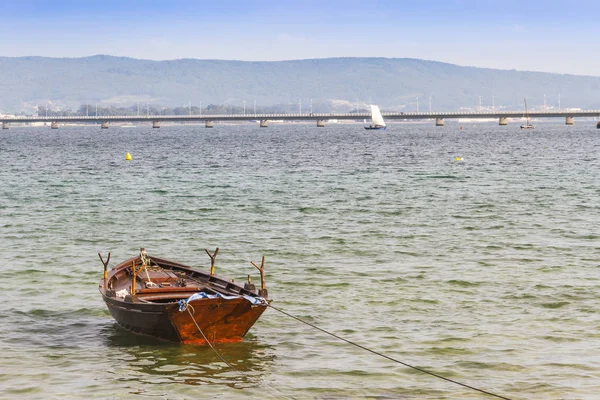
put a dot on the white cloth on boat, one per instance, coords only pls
(204, 295)
(122, 293)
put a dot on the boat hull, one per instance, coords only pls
(145, 319)
(219, 320)
(377, 128)
(174, 302)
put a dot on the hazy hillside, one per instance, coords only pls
(393, 83)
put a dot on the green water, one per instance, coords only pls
(484, 270)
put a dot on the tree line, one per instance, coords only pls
(99, 110)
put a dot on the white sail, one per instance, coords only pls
(376, 116)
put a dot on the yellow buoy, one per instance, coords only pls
(458, 158)
(128, 157)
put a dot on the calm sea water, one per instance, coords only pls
(484, 270)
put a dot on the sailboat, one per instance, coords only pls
(376, 119)
(527, 125)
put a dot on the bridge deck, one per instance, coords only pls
(300, 117)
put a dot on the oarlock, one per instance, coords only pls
(263, 289)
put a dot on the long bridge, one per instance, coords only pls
(320, 118)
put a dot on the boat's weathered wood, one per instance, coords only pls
(212, 260)
(143, 295)
(105, 268)
(170, 289)
(150, 297)
(263, 289)
(221, 320)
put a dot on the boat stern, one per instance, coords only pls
(217, 320)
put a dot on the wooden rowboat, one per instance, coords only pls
(152, 296)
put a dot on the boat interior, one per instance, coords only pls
(155, 280)
(158, 283)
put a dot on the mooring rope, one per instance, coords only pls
(388, 357)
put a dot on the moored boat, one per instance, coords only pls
(527, 125)
(165, 299)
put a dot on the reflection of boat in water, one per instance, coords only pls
(151, 360)
(168, 300)
(377, 121)
(527, 125)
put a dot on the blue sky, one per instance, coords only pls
(553, 36)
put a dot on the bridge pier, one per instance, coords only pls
(439, 122)
(54, 125)
(208, 123)
(569, 120)
(320, 123)
(156, 124)
(264, 123)
(503, 121)
(5, 125)
(104, 125)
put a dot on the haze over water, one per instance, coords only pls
(483, 270)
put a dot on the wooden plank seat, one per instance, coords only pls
(150, 297)
(170, 289)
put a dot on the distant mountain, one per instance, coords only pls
(331, 84)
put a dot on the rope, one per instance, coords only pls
(388, 357)
(145, 263)
(149, 284)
